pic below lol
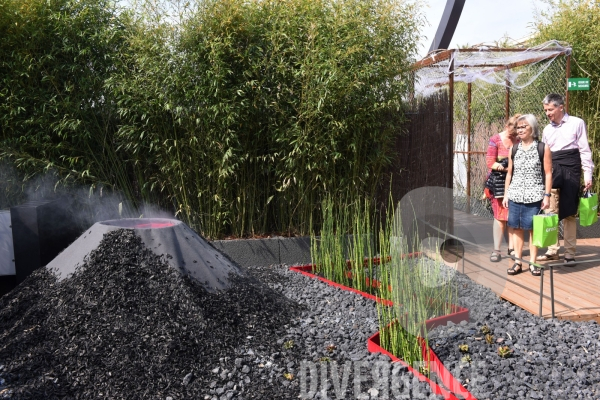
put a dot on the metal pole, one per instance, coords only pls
(541, 289)
(469, 148)
(552, 289)
(567, 83)
(447, 25)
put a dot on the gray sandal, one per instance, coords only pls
(495, 256)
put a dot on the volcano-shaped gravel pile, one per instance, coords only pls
(126, 325)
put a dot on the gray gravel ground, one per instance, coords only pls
(330, 337)
(550, 360)
(126, 326)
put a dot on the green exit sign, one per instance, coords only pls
(579, 83)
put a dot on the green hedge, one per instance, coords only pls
(54, 59)
(240, 119)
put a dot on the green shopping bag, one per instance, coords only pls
(545, 230)
(588, 209)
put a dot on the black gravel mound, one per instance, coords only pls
(126, 325)
(185, 250)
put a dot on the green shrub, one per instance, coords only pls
(241, 116)
(54, 113)
(577, 23)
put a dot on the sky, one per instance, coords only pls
(483, 21)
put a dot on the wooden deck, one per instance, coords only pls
(576, 289)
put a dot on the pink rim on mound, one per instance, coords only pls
(142, 223)
(435, 365)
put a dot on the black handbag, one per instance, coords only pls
(496, 180)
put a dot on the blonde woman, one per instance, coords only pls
(528, 185)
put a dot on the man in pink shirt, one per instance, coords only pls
(567, 138)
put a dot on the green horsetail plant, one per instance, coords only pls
(328, 250)
(360, 245)
(419, 287)
(402, 323)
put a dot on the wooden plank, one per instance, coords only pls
(530, 303)
(515, 294)
(561, 292)
(533, 306)
(575, 288)
(577, 282)
(525, 298)
(527, 288)
(433, 59)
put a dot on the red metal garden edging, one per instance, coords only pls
(304, 270)
(435, 365)
(457, 315)
(308, 268)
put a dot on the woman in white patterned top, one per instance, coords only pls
(527, 188)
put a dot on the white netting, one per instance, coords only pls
(493, 83)
(497, 66)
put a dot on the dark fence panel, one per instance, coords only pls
(424, 147)
(423, 158)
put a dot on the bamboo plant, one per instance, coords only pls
(238, 115)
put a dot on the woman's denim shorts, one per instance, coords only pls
(520, 215)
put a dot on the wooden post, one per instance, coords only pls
(451, 113)
(468, 209)
(507, 100)
(450, 222)
(411, 96)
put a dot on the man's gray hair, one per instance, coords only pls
(533, 123)
(555, 99)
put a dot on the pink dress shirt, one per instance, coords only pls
(571, 133)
